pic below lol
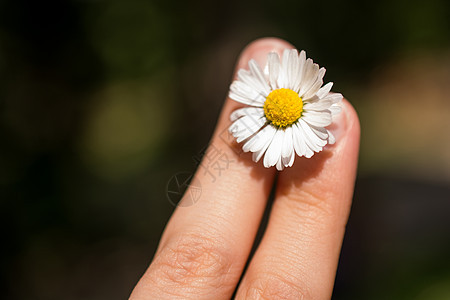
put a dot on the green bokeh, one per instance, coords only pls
(102, 102)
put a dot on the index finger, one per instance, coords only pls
(205, 246)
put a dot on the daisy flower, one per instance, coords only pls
(287, 110)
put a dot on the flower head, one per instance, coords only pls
(287, 110)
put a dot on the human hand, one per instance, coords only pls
(205, 247)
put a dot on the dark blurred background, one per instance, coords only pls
(102, 102)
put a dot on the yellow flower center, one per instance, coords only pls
(283, 107)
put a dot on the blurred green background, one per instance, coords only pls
(102, 102)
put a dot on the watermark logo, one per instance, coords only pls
(180, 187)
(211, 162)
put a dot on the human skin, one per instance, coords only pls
(205, 246)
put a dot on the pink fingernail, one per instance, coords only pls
(339, 125)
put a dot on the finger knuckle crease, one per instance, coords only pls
(309, 201)
(272, 286)
(192, 258)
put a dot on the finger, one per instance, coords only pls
(205, 246)
(298, 256)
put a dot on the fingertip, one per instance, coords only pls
(334, 167)
(259, 49)
(352, 117)
(348, 132)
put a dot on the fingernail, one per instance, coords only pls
(340, 121)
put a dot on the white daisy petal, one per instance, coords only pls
(301, 68)
(311, 147)
(318, 105)
(309, 153)
(252, 81)
(273, 153)
(315, 86)
(323, 91)
(316, 142)
(273, 63)
(256, 156)
(306, 70)
(245, 122)
(266, 71)
(285, 160)
(259, 76)
(335, 109)
(309, 144)
(287, 151)
(246, 126)
(241, 92)
(320, 132)
(309, 77)
(291, 160)
(288, 144)
(331, 138)
(292, 68)
(238, 113)
(259, 140)
(280, 165)
(243, 100)
(333, 97)
(245, 76)
(283, 77)
(316, 118)
(300, 142)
